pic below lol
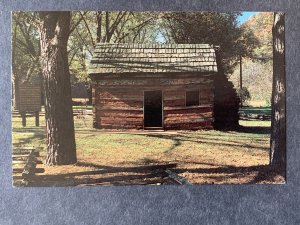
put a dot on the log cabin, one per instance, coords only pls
(160, 86)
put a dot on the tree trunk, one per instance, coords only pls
(54, 32)
(16, 94)
(15, 76)
(106, 27)
(241, 78)
(278, 124)
(99, 26)
(241, 73)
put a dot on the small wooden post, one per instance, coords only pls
(23, 114)
(37, 119)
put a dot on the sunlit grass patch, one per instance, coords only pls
(192, 151)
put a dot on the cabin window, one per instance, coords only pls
(192, 98)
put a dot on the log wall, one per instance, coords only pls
(118, 101)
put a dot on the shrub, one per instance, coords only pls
(244, 95)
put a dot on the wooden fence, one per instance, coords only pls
(28, 158)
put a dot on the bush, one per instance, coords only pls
(244, 95)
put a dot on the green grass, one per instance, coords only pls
(131, 146)
(247, 146)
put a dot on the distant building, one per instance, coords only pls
(152, 86)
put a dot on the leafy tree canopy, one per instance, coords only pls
(261, 26)
(220, 29)
(88, 28)
(25, 46)
(258, 72)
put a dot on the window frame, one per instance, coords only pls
(193, 90)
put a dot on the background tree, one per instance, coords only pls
(244, 95)
(258, 69)
(278, 123)
(54, 33)
(25, 51)
(86, 29)
(89, 28)
(220, 29)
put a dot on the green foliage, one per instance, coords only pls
(261, 26)
(25, 46)
(257, 77)
(219, 29)
(88, 28)
(258, 71)
(244, 95)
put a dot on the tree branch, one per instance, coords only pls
(77, 23)
(88, 29)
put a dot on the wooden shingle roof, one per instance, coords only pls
(152, 58)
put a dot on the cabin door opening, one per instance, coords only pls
(153, 107)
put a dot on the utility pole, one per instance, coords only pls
(241, 73)
(241, 78)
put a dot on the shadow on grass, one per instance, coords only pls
(259, 174)
(155, 174)
(37, 134)
(109, 175)
(179, 138)
(125, 175)
(254, 130)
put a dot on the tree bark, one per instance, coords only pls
(54, 34)
(106, 26)
(16, 94)
(15, 76)
(278, 122)
(99, 26)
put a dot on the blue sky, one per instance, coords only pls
(245, 16)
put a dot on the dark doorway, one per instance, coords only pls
(153, 109)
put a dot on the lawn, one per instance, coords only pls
(121, 157)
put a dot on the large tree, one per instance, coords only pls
(278, 133)
(86, 29)
(54, 33)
